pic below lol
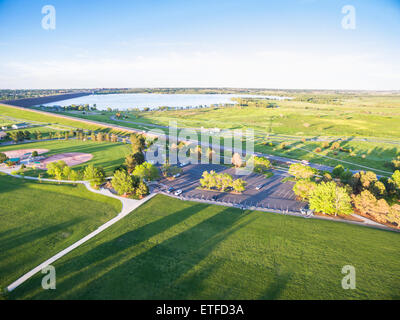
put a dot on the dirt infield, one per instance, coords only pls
(70, 158)
(19, 153)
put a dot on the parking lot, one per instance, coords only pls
(274, 194)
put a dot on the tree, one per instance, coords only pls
(378, 189)
(130, 163)
(237, 160)
(96, 176)
(16, 136)
(338, 171)
(379, 210)
(142, 189)
(210, 152)
(300, 171)
(114, 137)
(27, 135)
(100, 137)
(329, 198)
(66, 172)
(73, 176)
(3, 157)
(363, 181)
(239, 185)
(35, 153)
(335, 145)
(146, 171)
(138, 142)
(394, 215)
(303, 188)
(396, 178)
(122, 182)
(55, 167)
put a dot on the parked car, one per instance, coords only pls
(170, 189)
(178, 192)
(259, 186)
(177, 175)
(214, 197)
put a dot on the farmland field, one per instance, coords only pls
(170, 249)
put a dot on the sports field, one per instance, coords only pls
(41, 219)
(170, 249)
(108, 155)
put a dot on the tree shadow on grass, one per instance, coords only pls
(135, 265)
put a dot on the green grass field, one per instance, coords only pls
(40, 219)
(170, 249)
(105, 154)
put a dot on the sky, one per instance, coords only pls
(288, 44)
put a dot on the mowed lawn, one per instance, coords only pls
(108, 155)
(170, 249)
(40, 219)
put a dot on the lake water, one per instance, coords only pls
(152, 100)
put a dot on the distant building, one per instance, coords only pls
(2, 135)
(21, 125)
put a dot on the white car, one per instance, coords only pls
(178, 192)
(177, 175)
(259, 186)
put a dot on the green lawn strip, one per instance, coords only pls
(40, 219)
(27, 115)
(171, 249)
(108, 155)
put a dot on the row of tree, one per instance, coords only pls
(60, 170)
(222, 182)
(342, 192)
(130, 178)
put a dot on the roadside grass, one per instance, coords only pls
(40, 219)
(171, 249)
(108, 155)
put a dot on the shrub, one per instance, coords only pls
(318, 150)
(335, 145)
(325, 145)
(3, 157)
